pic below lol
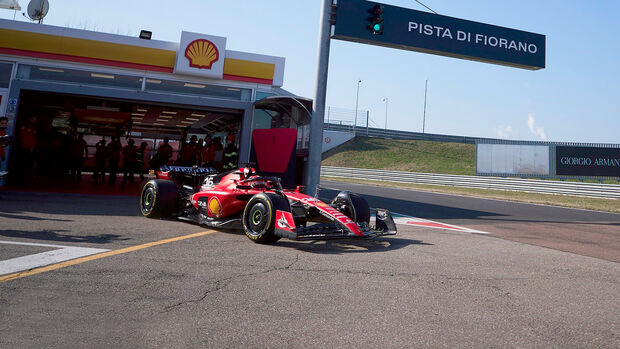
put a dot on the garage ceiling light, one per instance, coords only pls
(140, 109)
(162, 120)
(187, 122)
(192, 119)
(158, 124)
(52, 70)
(165, 116)
(193, 85)
(168, 112)
(103, 76)
(153, 81)
(137, 114)
(200, 115)
(233, 89)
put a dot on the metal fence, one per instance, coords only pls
(515, 184)
(396, 134)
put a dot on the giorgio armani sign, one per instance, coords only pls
(587, 161)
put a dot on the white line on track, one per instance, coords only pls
(415, 221)
(404, 219)
(59, 254)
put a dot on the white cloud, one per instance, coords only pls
(505, 132)
(536, 131)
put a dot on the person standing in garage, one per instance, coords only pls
(100, 157)
(162, 156)
(189, 152)
(113, 151)
(230, 154)
(208, 152)
(218, 153)
(129, 161)
(79, 153)
(26, 154)
(140, 153)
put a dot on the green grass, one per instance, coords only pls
(403, 155)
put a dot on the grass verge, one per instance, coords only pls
(404, 155)
(596, 204)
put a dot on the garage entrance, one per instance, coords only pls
(60, 135)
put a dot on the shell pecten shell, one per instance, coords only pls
(201, 54)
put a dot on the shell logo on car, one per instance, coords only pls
(202, 54)
(215, 208)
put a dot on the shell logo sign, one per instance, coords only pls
(201, 54)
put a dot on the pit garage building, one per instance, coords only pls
(101, 85)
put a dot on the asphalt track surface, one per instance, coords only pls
(589, 233)
(172, 284)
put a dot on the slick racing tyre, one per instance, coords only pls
(353, 206)
(259, 217)
(159, 198)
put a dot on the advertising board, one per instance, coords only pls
(587, 161)
(512, 159)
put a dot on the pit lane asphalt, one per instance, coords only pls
(421, 288)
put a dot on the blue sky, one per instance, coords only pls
(576, 98)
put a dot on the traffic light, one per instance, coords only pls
(376, 20)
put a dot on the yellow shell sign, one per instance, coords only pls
(201, 54)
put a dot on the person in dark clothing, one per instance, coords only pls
(27, 147)
(113, 151)
(79, 153)
(162, 156)
(189, 153)
(140, 153)
(218, 153)
(100, 157)
(129, 161)
(230, 154)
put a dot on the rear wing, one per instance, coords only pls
(190, 175)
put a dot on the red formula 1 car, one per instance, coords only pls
(259, 205)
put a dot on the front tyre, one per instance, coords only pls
(353, 206)
(259, 217)
(159, 198)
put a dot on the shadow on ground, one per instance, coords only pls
(416, 208)
(24, 205)
(347, 246)
(58, 236)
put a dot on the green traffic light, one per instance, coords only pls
(376, 27)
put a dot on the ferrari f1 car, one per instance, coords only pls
(258, 204)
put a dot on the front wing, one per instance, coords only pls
(286, 228)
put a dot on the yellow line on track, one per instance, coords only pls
(99, 256)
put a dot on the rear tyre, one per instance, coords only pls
(159, 198)
(353, 206)
(259, 217)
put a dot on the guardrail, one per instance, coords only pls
(526, 185)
